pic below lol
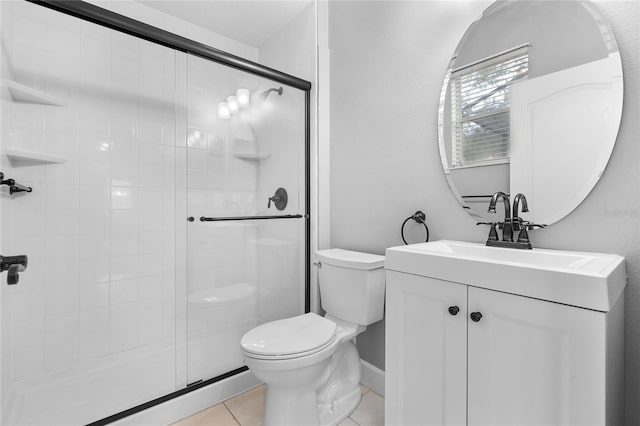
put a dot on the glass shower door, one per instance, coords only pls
(88, 123)
(245, 197)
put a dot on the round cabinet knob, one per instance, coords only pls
(453, 310)
(475, 316)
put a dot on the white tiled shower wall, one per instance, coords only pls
(108, 313)
(99, 228)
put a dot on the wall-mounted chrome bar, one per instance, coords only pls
(13, 185)
(222, 219)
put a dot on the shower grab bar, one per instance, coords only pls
(221, 219)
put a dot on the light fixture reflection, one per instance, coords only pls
(232, 103)
(223, 111)
(243, 96)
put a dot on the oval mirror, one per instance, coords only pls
(531, 103)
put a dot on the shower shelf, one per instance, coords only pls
(25, 94)
(34, 157)
(252, 156)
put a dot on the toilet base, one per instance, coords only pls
(290, 407)
(341, 393)
(342, 408)
(292, 394)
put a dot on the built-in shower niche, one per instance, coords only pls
(246, 149)
(28, 101)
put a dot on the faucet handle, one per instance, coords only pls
(523, 236)
(517, 222)
(279, 199)
(275, 199)
(531, 226)
(493, 234)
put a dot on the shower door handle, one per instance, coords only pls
(14, 265)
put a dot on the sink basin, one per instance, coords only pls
(538, 258)
(586, 280)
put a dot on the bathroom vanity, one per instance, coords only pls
(480, 335)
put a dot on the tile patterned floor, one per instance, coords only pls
(247, 409)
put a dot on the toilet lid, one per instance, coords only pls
(289, 336)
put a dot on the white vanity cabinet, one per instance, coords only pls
(426, 351)
(532, 362)
(458, 354)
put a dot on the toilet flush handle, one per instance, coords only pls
(317, 265)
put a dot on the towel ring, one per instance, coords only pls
(419, 217)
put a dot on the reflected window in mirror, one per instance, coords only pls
(480, 108)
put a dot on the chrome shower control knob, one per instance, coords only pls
(453, 310)
(280, 199)
(475, 316)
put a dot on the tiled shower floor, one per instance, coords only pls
(247, 409)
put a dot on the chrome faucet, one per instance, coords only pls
(507, 233)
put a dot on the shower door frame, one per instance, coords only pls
(97, 15)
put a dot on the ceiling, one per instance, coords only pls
(252, 22)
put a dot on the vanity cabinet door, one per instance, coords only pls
(533, 362)
(426, 351)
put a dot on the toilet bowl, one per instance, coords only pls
(310, 363)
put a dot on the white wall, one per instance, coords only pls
(387, 64)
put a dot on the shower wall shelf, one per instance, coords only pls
(33, 157)
(25, 94)
(252, 156)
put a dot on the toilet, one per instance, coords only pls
(310, 363)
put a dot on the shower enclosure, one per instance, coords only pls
(168, 211)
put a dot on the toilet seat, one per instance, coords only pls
(289, 338)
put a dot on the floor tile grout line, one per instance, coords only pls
(358, 424)
(224, 403)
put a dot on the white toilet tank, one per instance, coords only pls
(352, 285)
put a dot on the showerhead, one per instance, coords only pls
(265, 94)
